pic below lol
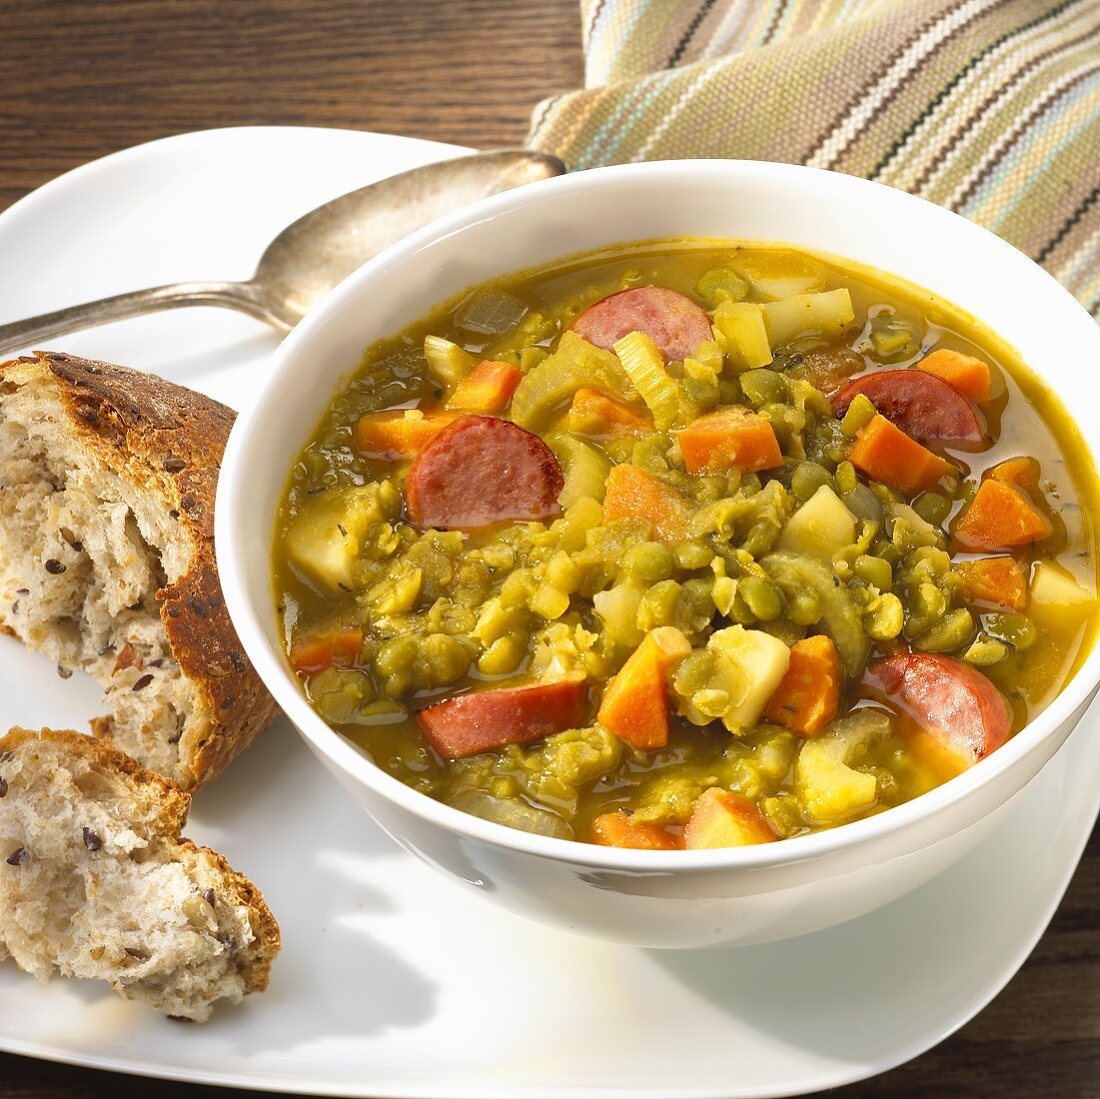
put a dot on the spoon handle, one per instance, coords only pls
(243, 296)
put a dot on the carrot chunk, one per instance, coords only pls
(593, 412)
(729, 438)
(487, 389)
(1001, 517)
(401, 433)
(964, 373)
(633, 493)
(721, 818)
(619, 829)
(339, 647)
(808, 695)
(1001, 581)
(1022, 472)
(635, 702)
(883, 451)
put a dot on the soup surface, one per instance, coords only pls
(687, 544)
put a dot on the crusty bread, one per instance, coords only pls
(95, 881)
(107, 480)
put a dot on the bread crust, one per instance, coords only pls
(169, 441)
(174, 805)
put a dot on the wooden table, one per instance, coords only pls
(84, 78)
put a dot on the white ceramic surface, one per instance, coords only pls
(663, 899)
(391, 981)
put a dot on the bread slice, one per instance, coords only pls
(107, 480)
(95, 881)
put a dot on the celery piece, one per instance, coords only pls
(490, 312)
(739, 328)
(447, 362)
(574, 364)
(585, 469)
(645, 366)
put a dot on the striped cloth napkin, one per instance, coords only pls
(988, 107)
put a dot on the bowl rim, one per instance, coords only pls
(330, 745)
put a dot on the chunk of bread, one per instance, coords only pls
(107, 480)
(95, 881)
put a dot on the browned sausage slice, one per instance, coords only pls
(487, 720)
(481, 471)
(952, 701)
(672, 321)
(921, 404)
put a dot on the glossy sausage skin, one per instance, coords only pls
(921, 404)
(480, 471)
(672, 321)
(484, 721)
(953, 702)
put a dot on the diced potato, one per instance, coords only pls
(828, 314)
(820, 527)
(329, 533)
(740, 332)
(720, 818)
(1056, 594)
(761, 662)
(829, 787)
(776, 274)
(584, 467)
(618, 607)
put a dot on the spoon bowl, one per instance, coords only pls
(316, 252)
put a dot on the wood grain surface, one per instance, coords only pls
(85, 78)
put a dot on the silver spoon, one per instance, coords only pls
(309, 257)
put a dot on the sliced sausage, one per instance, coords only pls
(487, 720)
(481, 471)
(921, 404)
(672, 321)
(953, 702)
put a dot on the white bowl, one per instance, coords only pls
(679, 898)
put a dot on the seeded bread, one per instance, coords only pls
(107, 480)
(95, 881)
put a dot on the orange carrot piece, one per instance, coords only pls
(1022, 472)
(487, 389)
(884, 452)
(339, 647)
(721, 818)
(594, 413)
(729, 438)
(618, 829)
(400, 433)
(1001, 581)
(808, 695)
(964, 373)
(635, 702)
(1000, 517)
(633, 493)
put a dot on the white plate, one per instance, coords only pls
(392, 982)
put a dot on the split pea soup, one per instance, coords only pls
(687, 544)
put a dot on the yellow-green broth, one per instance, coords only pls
(435, 648)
